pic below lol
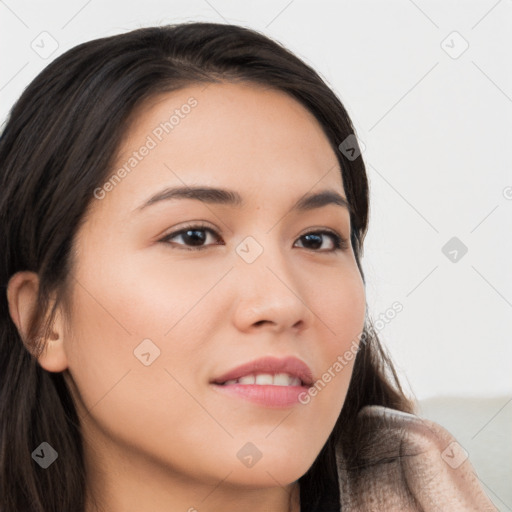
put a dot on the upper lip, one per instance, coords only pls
(272, 365)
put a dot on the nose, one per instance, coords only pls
(271, 293)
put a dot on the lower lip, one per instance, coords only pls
(266, 395)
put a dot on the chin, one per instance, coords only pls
(276, 469)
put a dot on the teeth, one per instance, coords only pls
(264, 378)
(283, 379)
(279, 379)
(248, 379)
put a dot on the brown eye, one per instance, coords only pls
(314, 238)
(193, 235)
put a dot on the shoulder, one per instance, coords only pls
(408, 463)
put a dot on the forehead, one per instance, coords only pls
(255, 139)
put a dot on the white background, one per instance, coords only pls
(438, 137)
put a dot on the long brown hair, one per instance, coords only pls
(56, 148)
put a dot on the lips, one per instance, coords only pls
(271, 365)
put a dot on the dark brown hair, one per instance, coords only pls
(57, 146)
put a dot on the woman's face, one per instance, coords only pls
(156, 319)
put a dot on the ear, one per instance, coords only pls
(22, 297)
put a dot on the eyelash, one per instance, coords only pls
(340, 242)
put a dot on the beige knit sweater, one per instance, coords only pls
(407, 463)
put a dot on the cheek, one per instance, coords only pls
(115, 392)
(127, 330)
(154, 297)
(341, 317)
(340, 310)
(99, 349)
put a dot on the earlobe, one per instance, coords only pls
(53, 358)
(22, 291)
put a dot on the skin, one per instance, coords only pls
(159, 437)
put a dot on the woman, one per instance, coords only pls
(184, 325)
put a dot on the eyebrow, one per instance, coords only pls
(212, 195)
